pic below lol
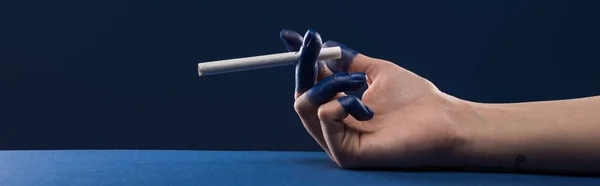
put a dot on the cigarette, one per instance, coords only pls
(260, 62)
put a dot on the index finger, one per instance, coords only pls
(292, 40)
(307, 69)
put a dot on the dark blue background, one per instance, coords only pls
(122, 74)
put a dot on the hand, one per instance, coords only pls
(402, 121)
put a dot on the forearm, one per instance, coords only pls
(556, 136)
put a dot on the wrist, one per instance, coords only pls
(555, 136)
(467, 119)
(489, 143)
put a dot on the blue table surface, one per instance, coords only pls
(171, 167)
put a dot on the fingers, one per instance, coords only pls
(311, 97)
(356, 108)
(307, 69)
(292, 40)
(342, 64)
(342, 141)
(352, 61)
(326, 89)
(308, 104)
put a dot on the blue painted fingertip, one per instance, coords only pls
(359, 76)
(326, 89)
(356, 108)
(310, 36)
(342, 64)
(292, 40)
(306, 69)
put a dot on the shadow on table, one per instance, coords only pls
(428, 177)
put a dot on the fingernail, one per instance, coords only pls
(353, 106)
(327, 89)
(342, 64)
(369, 110)
(306, 68)
(291, 40)
(286, 32)
(311, 45)
(283, 38)
(359, 76)
(309, 36)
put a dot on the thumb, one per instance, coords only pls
(353, 61)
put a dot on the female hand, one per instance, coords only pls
(402, 120)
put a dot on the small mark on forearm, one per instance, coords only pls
(518, 161)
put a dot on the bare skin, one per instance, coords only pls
(415, 125)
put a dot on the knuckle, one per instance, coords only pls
(298, 106)
(323, 112)
(301, 105)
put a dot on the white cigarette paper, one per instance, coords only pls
(260, 62)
